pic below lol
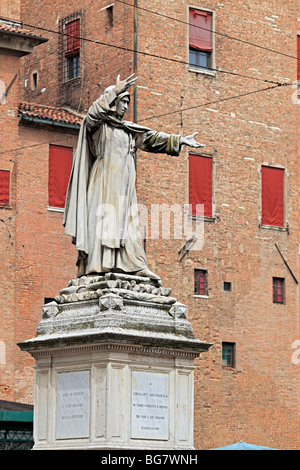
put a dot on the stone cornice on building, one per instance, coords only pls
(14, 40)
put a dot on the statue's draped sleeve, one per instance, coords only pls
(100, 110)
(158, 142)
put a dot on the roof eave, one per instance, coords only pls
(36, 120)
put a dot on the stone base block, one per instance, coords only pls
(110, 396)
(114, 367)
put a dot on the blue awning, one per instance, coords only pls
(244, 446)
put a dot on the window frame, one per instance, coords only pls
(50, 207)
(197, 290)
(195, 216)
(275, 290)
(205, 71)
(68, 57)
(228, 285)
(232, 346)
(282, 228)
(7, 204)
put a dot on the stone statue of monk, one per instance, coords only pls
(100, 210)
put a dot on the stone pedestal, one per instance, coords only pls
(114, 367)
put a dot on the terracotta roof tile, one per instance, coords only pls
(49, 113)
(11, 27)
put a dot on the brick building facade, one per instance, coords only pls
(25, 215)
(232, 84)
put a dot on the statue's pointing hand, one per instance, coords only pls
(123, 85)
(190, 141)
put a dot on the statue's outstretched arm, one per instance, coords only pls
(190, 141)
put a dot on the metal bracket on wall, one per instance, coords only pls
(291, 272)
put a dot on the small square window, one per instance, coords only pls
(73, 66)
(228, 354)
(278, 290)
(110, 15)
(34, 81)
(227, 286)
(200, 282)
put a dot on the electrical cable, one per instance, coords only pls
(166, 114)
(148, 54)
(34, 145)
(216, 101)
(211, 30)
(276, 84)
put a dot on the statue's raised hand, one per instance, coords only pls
(123, 85)
(190, 141)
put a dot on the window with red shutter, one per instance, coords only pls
(200, 38)
(200, 185)
(72, 52)
(60, 164)
(272, 196)
(278, 290)
(73, 37)
(4, 186)
(200, 282)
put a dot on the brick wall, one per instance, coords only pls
(45, 257)
(34, 250)
(8, 137)
(10, 9)
(244, 403)
(258, 400)
(100, 64)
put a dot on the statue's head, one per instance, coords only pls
(121, 104)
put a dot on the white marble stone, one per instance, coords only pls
(113, 372)
(150, 405)
(72, 404)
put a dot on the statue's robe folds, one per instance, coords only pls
(100, 211)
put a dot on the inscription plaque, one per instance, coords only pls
(72, 410)
(150, 405)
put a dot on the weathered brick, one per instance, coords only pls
(258, 401)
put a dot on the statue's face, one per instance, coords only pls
(122, 106)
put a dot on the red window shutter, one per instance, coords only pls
(272, 196)
(298, 56)
(73, 37)
(60, 164)
(200, 184)
(200, 30)
(278, 290)
(4, 186)
(202, 286)
(200, 282)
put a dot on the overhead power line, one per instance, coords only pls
(165, 114)
(211, 30)
(216, 101)
(148, 54)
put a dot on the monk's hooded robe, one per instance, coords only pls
(100, 210)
